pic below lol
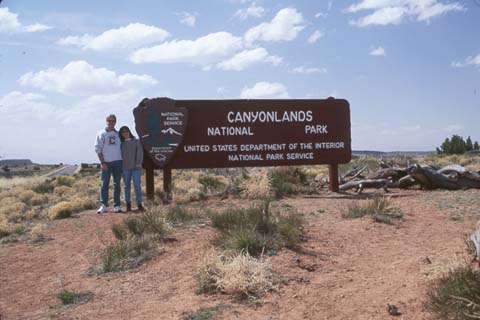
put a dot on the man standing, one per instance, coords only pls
(107, 147)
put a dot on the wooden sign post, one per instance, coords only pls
(186, 134)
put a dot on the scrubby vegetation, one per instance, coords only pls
(238, 275)
(456, 294)
(71, 297)
(457, 145)
(381, 209)
(136, 241)
(257, 228)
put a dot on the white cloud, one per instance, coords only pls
(387, 12)
(378, 52)
(265, 90)
(188, 19)
(285, 26)
(252, 11)
(315, 36)
(304, 70)
(321, 15)
(453, 127)
(9, 23)
(248, 58)
(131, 36)
(211, 48)
(81, 78)
(469, 61)
(18, 107)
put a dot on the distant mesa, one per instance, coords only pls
(379, 154)
(16, 162)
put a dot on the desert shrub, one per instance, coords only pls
(61, 210)
(212, 183)
(126, 254)
(257, 228)
(5, 230)
(154, 222)
(62, 191)
(43, 187)
(285, 181)
(120, 231)
(180, 214)
(151, 223)
(381, 209)
(455, 295)
(71, 297)
(14, 211)
(238, 275)
(26, 196)
(203, 313)
(256, 185)
(65, 181)
(186, 187)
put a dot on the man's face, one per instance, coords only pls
(111, 123)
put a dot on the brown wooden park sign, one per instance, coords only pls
(183, 134)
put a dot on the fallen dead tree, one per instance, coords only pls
(429, 177)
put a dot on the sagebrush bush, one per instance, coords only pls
(455, 295)
(212, 183)
(238, 275)
(381, 209)
(62, 191)
(255, 185)
(285, 181)
(66, 181)
(46, 186)
(180, 214)
(126, 254)
(61, 210)
(257, 228)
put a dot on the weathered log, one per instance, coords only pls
(393, 174)
(431, 179)
(362, 184)
(406, 182)
(460, 171)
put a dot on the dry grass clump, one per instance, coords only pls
(381, 209)
(239, 275)
(178, 214)
(256, 185)
(213, 183)
(62, 191)
(136, 237)
(65, 209)
(456, 294)
(285, 181)
(187, 188)
(9, 183)
(257, 228)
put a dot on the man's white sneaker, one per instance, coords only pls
(117, 209)
(102, 209)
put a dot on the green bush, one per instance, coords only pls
(70, 297)
(456, 295)
(285, 181)
(126, 254)
(180, 214)
(44, 187)
(257, 228)
(211, 183)
(381, 209)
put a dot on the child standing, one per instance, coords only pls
(132, 156)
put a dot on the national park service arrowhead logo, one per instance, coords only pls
(161, 127)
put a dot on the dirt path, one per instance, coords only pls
(359, 267)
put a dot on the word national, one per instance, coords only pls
(269, 116)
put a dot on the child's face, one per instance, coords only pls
(125, 134)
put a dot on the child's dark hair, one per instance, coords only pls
(122, 129)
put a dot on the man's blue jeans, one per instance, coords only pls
(114, 169)
(136, 175)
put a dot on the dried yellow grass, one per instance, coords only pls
(257, 185)
(8, 183)
(238, 275)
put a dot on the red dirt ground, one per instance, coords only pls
(359, 267)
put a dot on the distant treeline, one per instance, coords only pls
(457, 145)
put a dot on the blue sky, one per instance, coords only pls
(410, 68)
